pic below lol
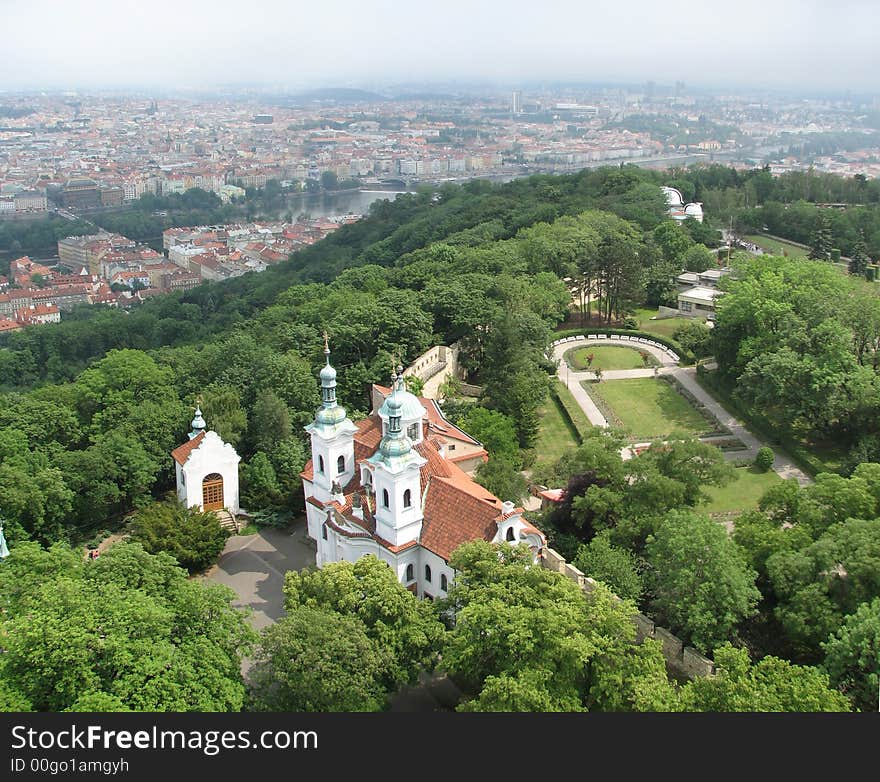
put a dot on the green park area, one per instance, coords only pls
(662, 327)
(742, 493)
(607, 357)
(648, 408)
(777, 246)
(555, 434)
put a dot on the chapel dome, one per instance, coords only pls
(408, 406)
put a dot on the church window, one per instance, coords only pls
(428, 573)
(407, 499)
(324, 531)
(413, 432)
(410, 573)
(510, 535)
(340, 464)
(320, 464)
(384, 498)
(444, 583)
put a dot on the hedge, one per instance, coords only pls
(571, 409)
(686, 356)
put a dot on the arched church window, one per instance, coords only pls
(320, 464)
(444, 583)
(410, 573)
(510, 535)
(407, 499)
(324, 531)
(428, 573)
(384, 498)
(412, 432)
(340, 464)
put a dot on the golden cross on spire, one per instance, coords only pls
(326, 342)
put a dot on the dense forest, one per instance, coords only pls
(91, 408)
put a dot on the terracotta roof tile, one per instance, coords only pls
(456, 513)
(182, 452)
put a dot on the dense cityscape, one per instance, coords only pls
(485, 359)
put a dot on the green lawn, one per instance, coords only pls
(607, 357)
(648, 408)
(555, 435)
(662, 327)
(743, 493)
(777, 246)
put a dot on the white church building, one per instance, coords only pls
(206, 470)
(389, 486)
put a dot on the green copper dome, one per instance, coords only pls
(394, 447)
(408, 406)
(330, 416)
(328, 375)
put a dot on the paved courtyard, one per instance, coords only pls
(254, 566)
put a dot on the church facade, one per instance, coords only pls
(391, 485)
(206, 469)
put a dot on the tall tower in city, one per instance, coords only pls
(516, 102)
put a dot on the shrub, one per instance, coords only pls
(194, 538)
(764, 459)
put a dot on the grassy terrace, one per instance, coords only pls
(555, 433)
(662, 327)
(777, 246)
(647, 408)
(742, 494)
(607, 357)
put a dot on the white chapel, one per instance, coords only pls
(207, 470)
(390, 486)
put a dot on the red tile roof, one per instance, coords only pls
(456, 513)
(182, 452)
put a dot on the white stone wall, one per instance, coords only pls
(212, 455)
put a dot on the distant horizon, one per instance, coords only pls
(811, 46)
(441, 87)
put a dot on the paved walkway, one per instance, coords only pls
(782, 465)
(254, 567)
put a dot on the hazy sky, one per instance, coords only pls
(199, 43)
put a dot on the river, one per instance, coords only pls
(342, 202)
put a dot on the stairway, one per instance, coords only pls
(227, 520)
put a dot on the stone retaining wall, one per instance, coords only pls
(683, 661)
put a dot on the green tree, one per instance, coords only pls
(693, 464)
(615, 567)
(673, 240)
(495, 431)
(818, 586)
(698, 258)
(821, 240)
(128, 629)
(695, 336)
(269, 422)
(852, 656)
(259, 483)
(701, 584)
(405, 629)
(859, 258)
(194, 538)
(317, 660)
(221, 407)
(503, 479)
(525, 637)
(764, 459)
(770, 684)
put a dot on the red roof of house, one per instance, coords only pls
(182, 452)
